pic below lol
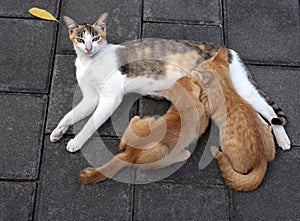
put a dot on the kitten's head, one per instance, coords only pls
(175, 92)
(88, 39)
(209, 72)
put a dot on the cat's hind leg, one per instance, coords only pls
(268, 113)
(246, 89)
(175, 158)
(111, 168)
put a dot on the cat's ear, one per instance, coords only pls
(202, 77)
(71, 24)
(101, 21)
(221, 55)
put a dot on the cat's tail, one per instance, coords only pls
(235, 180)
(94, 175)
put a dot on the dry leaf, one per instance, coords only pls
(41, 13)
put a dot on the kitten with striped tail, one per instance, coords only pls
(106, 72)
(246, 141)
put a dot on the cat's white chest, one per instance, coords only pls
(98, 70)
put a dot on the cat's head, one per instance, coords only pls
(88, 39)
(209, 72)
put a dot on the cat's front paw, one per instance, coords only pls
(282, 138)
(57, 134)
(73, 146)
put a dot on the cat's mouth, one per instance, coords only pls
(89, 53)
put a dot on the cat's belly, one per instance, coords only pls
(148, 85)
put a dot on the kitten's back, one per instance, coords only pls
(247, 144)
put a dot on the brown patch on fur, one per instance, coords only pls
(184, 61)
(247, 144)
(164, 134)
(81, 30)
(149, 57)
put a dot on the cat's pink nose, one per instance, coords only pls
(88, 47)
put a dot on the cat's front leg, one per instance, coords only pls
(86, 106)
(106, 107)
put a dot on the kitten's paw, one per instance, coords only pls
(282, 138)
(185, 154)
(57, 134)
(73, 146)
(214, 151)
(90, 175)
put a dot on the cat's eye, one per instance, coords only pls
(97, 38)
(79, 40)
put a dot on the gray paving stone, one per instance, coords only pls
(282, 85)
(27, 54)
(149, 106)
(159, 201)
(264, 31)
(62, 91)
(278, 195)
(63, 96)
(70, 200)
(191, 172)
(124, 20)
(16, 201)
(205, 11)
(20, 8)
(22, 124)
(180, 31)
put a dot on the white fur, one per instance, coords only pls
(247, 91)
(80, 48)
(103, 87)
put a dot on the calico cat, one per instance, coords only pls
(105, 72)
(246, 141)
(184, 122)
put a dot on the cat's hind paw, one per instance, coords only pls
(73, 146)
(282, 138)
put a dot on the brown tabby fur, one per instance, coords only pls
(167, 149)
(247, 144)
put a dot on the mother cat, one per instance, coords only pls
(105, 72)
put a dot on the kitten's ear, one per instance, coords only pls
(202, 77)
(222, 54)
(101, 21)
(71, 24)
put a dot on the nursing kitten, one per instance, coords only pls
(150, 143)
(247, 143)
(106, 72)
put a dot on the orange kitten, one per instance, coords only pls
(164, 144)
(247, 143)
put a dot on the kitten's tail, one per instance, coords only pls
(235, 180)
(93, 175)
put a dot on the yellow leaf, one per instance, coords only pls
(41, 13)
